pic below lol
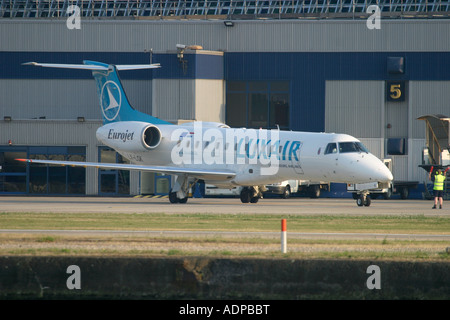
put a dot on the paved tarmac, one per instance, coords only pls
(282, 207)
(292, 206)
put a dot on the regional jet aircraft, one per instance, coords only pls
(217, 154)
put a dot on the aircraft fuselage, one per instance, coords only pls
(258, 156)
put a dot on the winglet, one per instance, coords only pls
(23, 160)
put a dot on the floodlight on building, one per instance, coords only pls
(7, 118)
(81, 119)
(228, 23)
(151, 54)
(180, 53)
(182, 47)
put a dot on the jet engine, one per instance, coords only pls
(151, 137)
(132, 136)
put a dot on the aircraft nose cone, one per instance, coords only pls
(385, 175)
(378, 170)
(388, 175)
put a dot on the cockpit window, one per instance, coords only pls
(353, 146)
(331, 148)
(362, 147)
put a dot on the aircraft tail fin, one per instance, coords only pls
(113, 101)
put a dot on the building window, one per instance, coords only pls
(20, 178)
(258, 104)
(13, 174)
(112, 182)
(49, 179)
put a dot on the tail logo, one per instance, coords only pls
(111, 100)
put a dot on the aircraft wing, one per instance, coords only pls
(199, 173)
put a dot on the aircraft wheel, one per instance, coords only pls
(245, 195)
(254, 199)
(173, 197)
(360, 201)
(184, 200)
(367, 201)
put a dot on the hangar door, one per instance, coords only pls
(362, 109)
(396, 118)
(354, 107)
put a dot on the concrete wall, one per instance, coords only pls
(207, 278)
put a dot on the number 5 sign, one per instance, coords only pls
(395, 90)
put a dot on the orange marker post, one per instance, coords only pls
(283, 236)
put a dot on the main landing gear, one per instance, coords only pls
(362, 199)
(173, 198)
(180, 192)
(251, 194)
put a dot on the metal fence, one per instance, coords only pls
(219, 9)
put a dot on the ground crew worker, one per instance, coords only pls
(438, 188)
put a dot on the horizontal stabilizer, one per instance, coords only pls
(94, 67)
(137, 66)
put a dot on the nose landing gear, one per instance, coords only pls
(363, 199)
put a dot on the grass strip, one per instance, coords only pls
(137, 246)
(407, 224)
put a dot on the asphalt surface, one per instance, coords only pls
(292, 206)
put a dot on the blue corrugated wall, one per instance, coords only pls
(306, 71)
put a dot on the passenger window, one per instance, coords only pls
(331, 148)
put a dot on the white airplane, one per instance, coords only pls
(217, 154)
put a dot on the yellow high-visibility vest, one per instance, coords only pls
(439, 182)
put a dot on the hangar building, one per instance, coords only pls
(307, 65)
